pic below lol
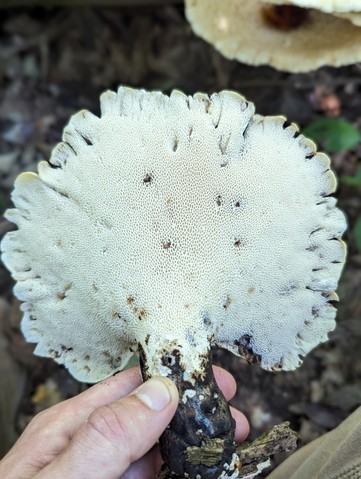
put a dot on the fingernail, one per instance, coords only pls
(155, 394)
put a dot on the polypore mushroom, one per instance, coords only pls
(288, 37)
(166, 226)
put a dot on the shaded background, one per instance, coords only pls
(55, 61)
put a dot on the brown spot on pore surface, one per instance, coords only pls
(251, 290)
(86, 357)
(277, 366)
(63, 294)
(136, 310)
(246, 351)
(284, 17)
(166, 244)
(142, 314)
(53, 353)
(147, 179)
(65, 349)
(130, 300)
(227, 303)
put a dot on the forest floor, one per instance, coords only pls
(54, 62)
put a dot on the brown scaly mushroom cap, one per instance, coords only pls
(288, 38)
(169, 224)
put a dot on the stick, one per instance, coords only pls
(251, 455)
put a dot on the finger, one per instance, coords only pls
(227, 384)
(105, 392)
(225, 381)
(66, 417)
(121, 385)
(49, 432)
(118, 386)
(116, 435)
(147, 467)
(242, 425)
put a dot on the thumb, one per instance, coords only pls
(116, 435)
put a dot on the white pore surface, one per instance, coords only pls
(172, 222)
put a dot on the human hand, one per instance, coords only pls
(107, 432)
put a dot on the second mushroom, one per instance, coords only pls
(279, 32)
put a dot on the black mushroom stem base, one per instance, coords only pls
(202, 423)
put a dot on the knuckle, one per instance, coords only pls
(107, 425)
(46, 436)
(40, 422)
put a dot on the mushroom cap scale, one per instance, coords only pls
(319, 39)
(176, 222)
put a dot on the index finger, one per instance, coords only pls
(122, 384)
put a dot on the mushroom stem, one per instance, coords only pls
(202, 425)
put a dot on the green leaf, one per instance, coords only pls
(352, 180)
(357, 233)
(334, 134)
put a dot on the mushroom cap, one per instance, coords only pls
(328, 6)
(229, 25)
(176, 220)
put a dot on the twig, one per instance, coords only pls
(251, 455)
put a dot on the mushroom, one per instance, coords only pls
(170, 224)
(288, 37)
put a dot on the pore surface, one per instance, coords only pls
(176, 219)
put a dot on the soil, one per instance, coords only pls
(56, 61)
